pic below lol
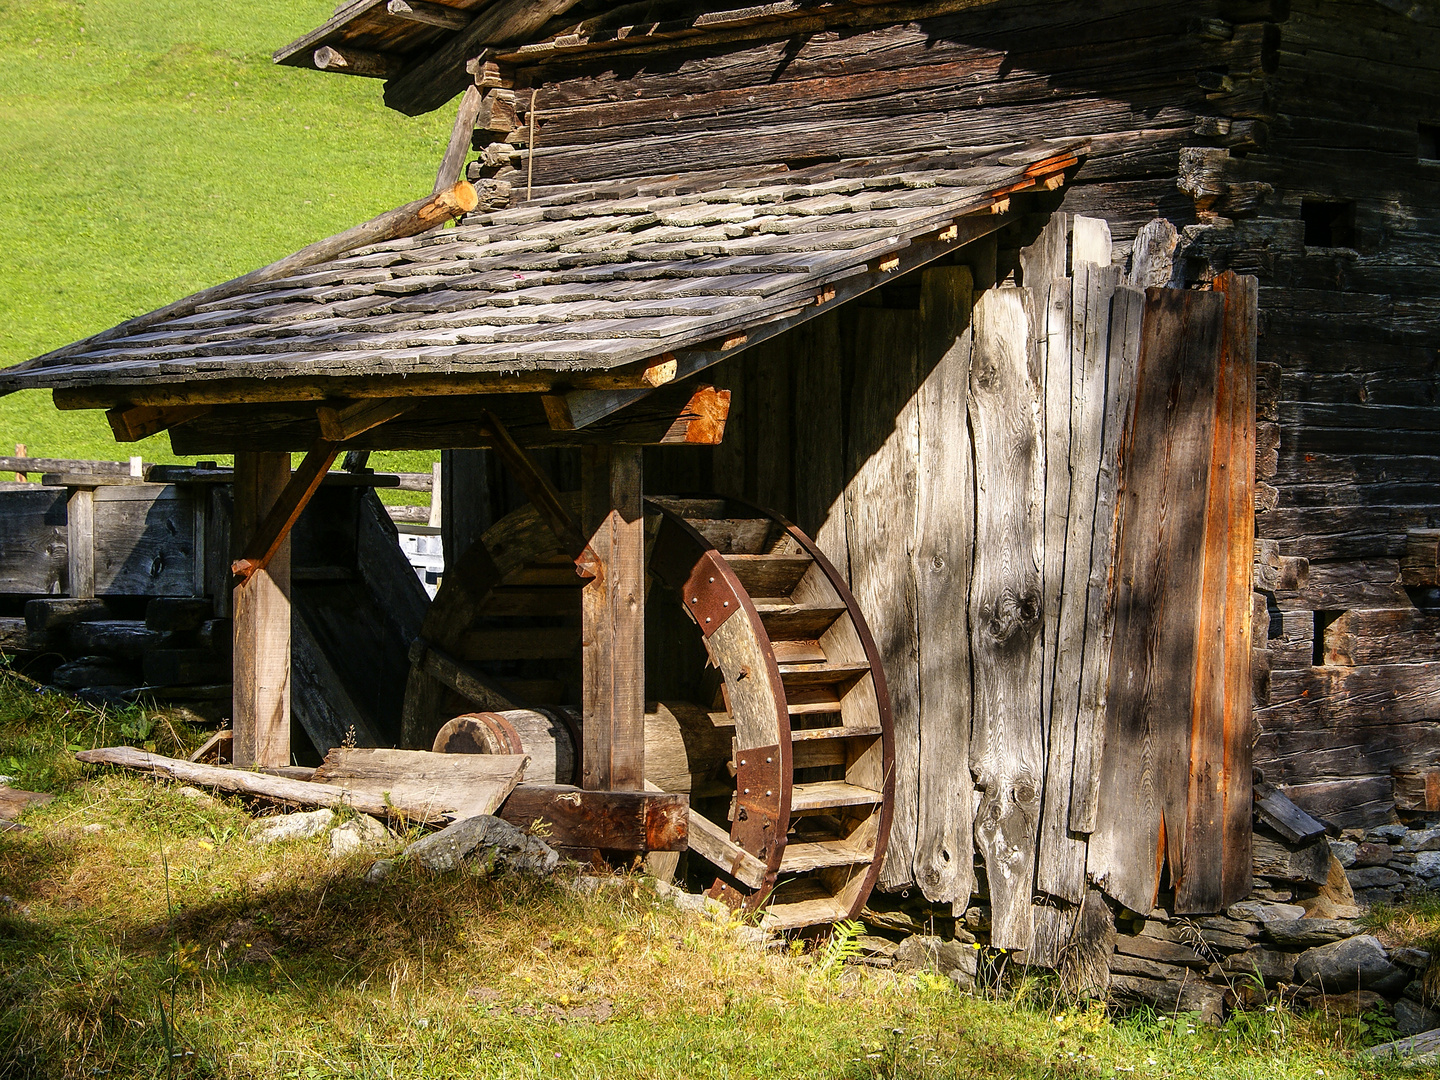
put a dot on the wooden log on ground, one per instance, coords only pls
(408, 220)
(119, 637)
(239, 781)
(572, 817)
(15, 801)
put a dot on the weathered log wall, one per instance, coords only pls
(1348, 390)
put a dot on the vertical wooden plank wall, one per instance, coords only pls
(994, 547)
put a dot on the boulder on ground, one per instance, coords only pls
(918, 952)
(357, 834)
(1357, 963)
(273, 830)
(486, 840)
(1412, 1018)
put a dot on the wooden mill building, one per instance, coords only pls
(983, 430)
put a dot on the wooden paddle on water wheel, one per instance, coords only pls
(768, 702)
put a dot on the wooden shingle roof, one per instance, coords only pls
(582, 277)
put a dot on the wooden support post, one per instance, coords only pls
(80, 541)
(613, 620)
(261, 605)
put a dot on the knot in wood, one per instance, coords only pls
(1012, 615)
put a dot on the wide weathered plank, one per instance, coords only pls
(1126, 316)
(880, 524)
(1143, 775)
(424, 784)
(944, 540)
(1007, 745)
(1061, 861)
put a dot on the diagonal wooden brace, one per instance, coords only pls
(286, 511)
(544, 496)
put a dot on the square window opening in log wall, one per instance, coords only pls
(1430, 142)
(1323, 619)
(1328, 223)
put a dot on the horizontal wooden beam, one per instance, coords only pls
(701, 423)
(347, 61)
(572, 817)
(675, 415)
(136, 422)
(647, 375)
(430, 14)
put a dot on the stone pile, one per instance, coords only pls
(1386, 864)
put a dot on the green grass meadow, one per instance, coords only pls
(150, 148)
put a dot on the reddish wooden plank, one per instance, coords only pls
(1144, 780)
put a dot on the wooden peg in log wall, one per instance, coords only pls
(371, 65)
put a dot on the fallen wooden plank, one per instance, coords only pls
(422, 784)
(567, 816)
(260, 785)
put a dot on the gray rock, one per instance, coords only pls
(1357, 963)
(356, 835)
(483, 839)
(958, 956)
(379, 870)
(1230, 926)
(918, 952)
(1219, 939)
(1369, 898)
(1264, 911)
(1412, 1018)
(1296, 934)
(1415, 959)
(1386, 834)
(1344, 852)
(1372, 877)
(1415, 991)
(1273, 967)
(1421, 840)
(274, 830)
(1370, 854)
(1427, 864)
(961, 979)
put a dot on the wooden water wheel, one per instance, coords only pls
(768, 702)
